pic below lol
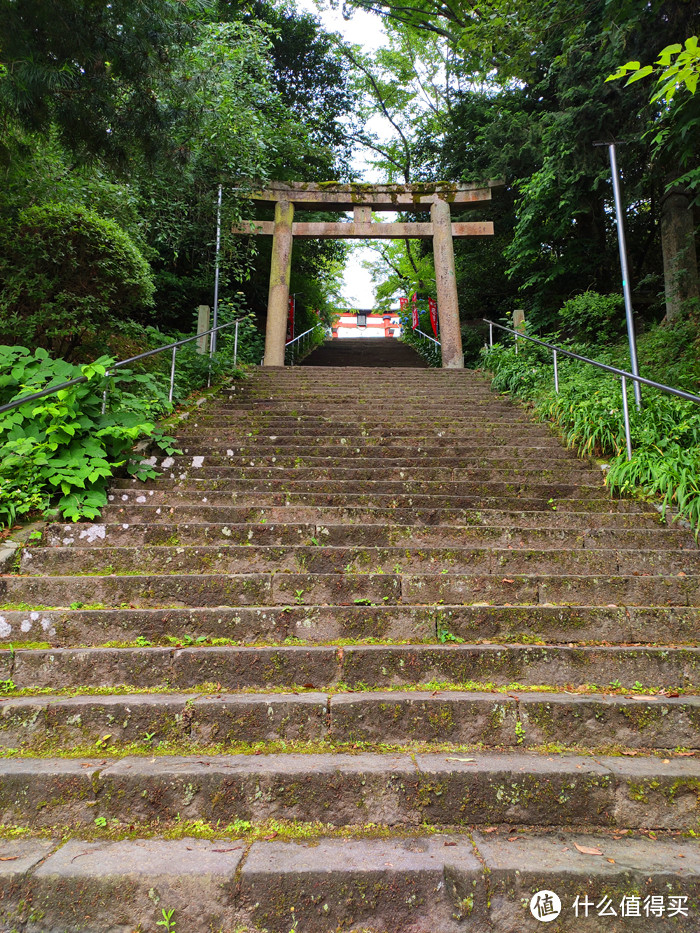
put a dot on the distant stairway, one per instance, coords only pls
(375, 652)
(380, 352)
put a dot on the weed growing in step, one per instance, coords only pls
(167, 920)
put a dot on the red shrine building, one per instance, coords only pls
(364, 323)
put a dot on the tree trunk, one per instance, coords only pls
(678, 245)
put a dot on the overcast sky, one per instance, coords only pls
(366, 30)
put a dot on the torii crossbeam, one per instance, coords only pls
(362, 200)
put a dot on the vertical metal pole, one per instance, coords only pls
(172, 375)
(104, 393)
(490, 334)
(627, 291)
(235, 344)
(515, 338)
(212, 339)
(556, 372)
(625, 409)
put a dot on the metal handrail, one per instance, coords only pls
(15, 403)
(417, 330)
(622, 373)
(290, 343)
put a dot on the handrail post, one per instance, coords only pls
(172, 376)
(556, 372)
(625, 409)
(490, 334)
(235, 345)
(104, 392)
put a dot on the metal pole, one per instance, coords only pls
(625, 409)
(634, 367)
(215, 322)
(556, 372)
(104, 393)
(235, 344)
(490, 334)
(172, 375)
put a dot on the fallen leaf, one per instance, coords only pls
(629, 754)
(308, 686)
(460, 759)
(450, 843)
(11, 858)
(506, 580)
(513, 838)
(588, 850)
(611, 860)
(490, 829)
(685, 754)
(666, 761)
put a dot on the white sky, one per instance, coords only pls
(366, 30)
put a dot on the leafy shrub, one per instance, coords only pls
(63, 445)
(594, 318)
(588, 411)
(66, 274)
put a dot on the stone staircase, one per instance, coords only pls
(375, 652)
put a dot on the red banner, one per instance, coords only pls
(415, 310)
(432, 307)
(290, 319)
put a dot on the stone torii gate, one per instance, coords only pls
(362, 200)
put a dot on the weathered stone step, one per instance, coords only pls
(617, 516)
(408, 409)
(319, 624)
(511, 475)
(278, 459)
(265, 447)
(476, 431)
(442, 790)
(165, 487)
(260, 558)
(267, 667)
(433, 883)
(83, 534)
(384, 717)
(281, 589)
(258, 589)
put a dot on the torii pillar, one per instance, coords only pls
(278, 297)
(435, 197)
(446, 286)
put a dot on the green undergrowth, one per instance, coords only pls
(588, 410)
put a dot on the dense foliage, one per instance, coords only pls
(66, 274)
(588, 409)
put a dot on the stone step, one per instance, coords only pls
(380, 666)
(480, 789)
(394, 717)
(550, 492)
(194, 468)
(433, 883)
(259, 558)
(361, 449)
(281, 589)
(617, 516)
(295, 430)
(436, 504)
(279, 458)
(554, 625)
(82, 534)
